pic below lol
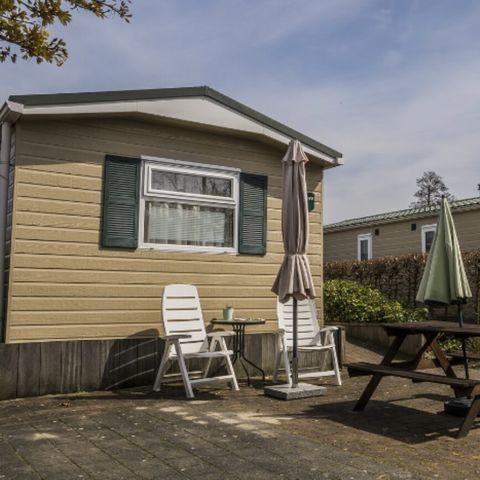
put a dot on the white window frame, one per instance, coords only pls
(146, 193)
(360, 238)
(425, 229)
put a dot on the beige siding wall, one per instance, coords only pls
(63, 286)
(468, 229)
(398, 238)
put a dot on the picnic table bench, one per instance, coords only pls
(412, 369)
(461, 386)
(457, 356)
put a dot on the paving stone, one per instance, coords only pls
(83, 453)
(238, 435)
(42, 456)
(12, 466)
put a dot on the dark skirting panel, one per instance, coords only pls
(41, 368)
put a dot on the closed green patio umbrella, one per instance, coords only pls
(444, 281)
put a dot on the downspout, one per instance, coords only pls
(4, 164)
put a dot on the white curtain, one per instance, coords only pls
(181, 224)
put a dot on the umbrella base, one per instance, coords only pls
(458, 406)
(286, 392)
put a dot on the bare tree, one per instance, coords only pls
(431, 189)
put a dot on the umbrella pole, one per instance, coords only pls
(295, 345)
(464, 350)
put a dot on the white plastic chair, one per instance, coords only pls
(311, 338)
(185, 338)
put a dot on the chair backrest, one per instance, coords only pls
(182, 313)
(307, 322)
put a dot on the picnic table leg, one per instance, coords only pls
(429, 338)
(442, 359)
(375, 380)
(367, 393)
(470, 417)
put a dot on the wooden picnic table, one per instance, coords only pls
(412, 369)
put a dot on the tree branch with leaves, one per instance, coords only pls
(24, 26)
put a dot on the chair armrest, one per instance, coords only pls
(279, 331)
(220, 333)
(328, 329)
(178, 336)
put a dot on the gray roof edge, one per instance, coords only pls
(400, 215)
(51, 99)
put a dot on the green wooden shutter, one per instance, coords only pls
(253, 214)
(120, 202)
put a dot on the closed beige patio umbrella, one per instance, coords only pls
(294, 278)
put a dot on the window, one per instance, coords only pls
(161, 204)
(428, 234)
(364, 246)
(186, 206)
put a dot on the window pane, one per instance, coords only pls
(429, 236)
(181, 224)
(364, 249)
(219, 187)
(189, 183)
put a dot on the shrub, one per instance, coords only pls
(398, 278)
(347, 301)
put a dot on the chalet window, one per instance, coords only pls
(428, 234)
(163, 204)
(364, 246)
(186, 207)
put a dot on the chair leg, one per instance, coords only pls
(338, 378)
(163, 367)
(213, 346)
(183, 370)
(276, 367)
(288, 371)
(278, 357)
(229, 365)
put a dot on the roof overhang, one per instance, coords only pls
(10, 112)
(199, 106)
(407, 215)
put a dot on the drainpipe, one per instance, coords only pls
(4, 163)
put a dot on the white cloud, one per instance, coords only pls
(395, 87)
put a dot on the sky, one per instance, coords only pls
(393, 85)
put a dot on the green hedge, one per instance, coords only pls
(398, 278)
(347, 301)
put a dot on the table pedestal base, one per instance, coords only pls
(238, 326)
(286, 392)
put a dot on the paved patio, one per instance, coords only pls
(244, 435)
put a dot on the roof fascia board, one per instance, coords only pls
(250, 112)
(199, 110)
(169, 93)
(108, 96)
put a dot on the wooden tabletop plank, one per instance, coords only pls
(433, 326)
